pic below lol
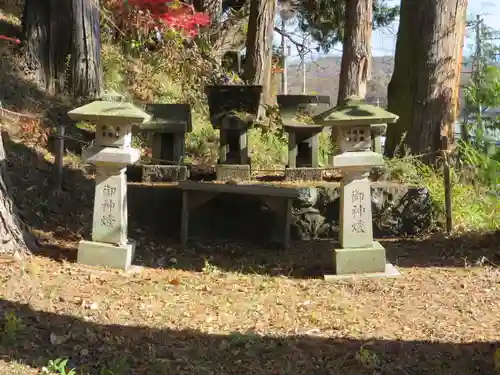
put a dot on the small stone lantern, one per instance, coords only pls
(111, 153)
(233, 110)
(358, 254)
(169, 125)
(303, 137)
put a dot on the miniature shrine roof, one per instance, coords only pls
(173, 117)
(355, 112)
(111, 113)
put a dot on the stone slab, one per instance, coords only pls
(390, 271)
(98, 154)
(360, 260)
(106, 255)
(110, 219)
(360, 159)
(233, 172)
(164, 173)
(303, 174)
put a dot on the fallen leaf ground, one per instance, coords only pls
(223, 308)
(432, 320)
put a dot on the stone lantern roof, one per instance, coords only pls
(355, 112)
(109, 113)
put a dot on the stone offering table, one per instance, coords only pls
(303, 137)
(112, 152)
(358, 254)
(233, 109)
(168, 125)
(278, 199)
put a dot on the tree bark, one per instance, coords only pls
(423, 89)
(55, 30)
(259, 42)
(356, 52)
(86, 73)
(15, 238)
(59, 44)
(36, 31)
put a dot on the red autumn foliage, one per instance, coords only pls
(174, 14)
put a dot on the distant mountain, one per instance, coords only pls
(322, 77)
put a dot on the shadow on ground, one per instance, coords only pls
(143, 350)
(57, 215)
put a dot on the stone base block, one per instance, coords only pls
(232, 172)
(390, 271)
(359, 260)
(164, 173)
(106, 255)
(303, 174)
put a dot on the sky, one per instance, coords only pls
(384, 39)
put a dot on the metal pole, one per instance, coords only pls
(303, 58)
(59, 157)
(284, 78)
(478, 76)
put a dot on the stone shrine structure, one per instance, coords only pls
(233, 109)
(168, 125)
(303, 136)
(358, 253)
(112, 152)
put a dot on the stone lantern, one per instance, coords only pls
(169, 125)
(352, 122)
(303, 137)
(233, 110)
(111, 153)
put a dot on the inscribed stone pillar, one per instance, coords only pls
(110, 206)
(356, 211)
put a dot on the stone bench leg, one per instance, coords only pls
(190, 201)
(282, 207)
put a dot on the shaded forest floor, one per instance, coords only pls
(224, 308)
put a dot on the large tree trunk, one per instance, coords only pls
(15, 238)
(53, 31)
(356, 51)
(258, 61)
(36, 30)
(423, 90)
(86, 79)
(59, 44)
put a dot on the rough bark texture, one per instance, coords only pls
(59, 44)
(53, 31)
(259, 46)
(356, 51)
(424, 85)
(15, 238)
(86, 79)
(36, 30)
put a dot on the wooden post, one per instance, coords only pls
(292, 150)
(185, 218)
(59, 156)
(447, 185)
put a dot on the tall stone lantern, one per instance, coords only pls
(358, 253)
(112, 152)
